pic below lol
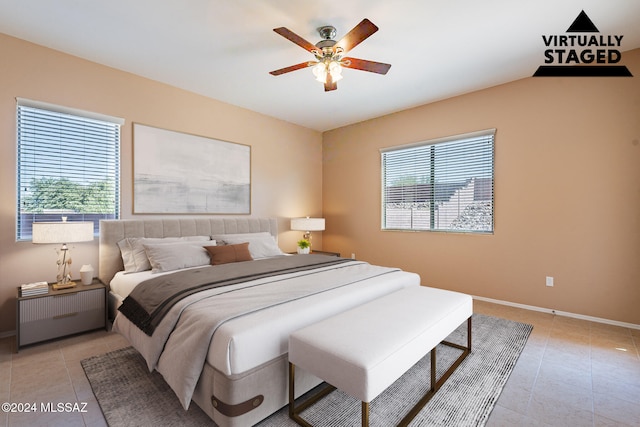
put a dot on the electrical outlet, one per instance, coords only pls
(549, 281)
(353, 255)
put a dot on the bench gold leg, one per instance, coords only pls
(435, 385)
(433, 369)
(365, 414)
(294, 411)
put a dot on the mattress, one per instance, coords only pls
(247, 342)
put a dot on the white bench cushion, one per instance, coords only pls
(362, 351)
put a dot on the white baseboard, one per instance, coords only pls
(560, 313)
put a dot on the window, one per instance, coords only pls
(439, 185)
(68, 165)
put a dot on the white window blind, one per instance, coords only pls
(68, 165)
(440, 185)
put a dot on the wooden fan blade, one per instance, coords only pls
(329, 84)
(364, 65)
(354, 37)
(292, 68)
(290, 35)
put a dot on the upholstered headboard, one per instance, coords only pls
(112, 231)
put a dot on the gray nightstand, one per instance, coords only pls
(60, 313)
(326, 253)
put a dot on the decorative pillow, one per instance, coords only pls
(174, 256)
(134, 256)
(261, 245)
(229, 253)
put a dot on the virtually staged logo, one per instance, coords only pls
(584, 54)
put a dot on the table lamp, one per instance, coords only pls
(62, 232)
(307, 225)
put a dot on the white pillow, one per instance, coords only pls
(261, 245)
(134, 256)
(175, 256)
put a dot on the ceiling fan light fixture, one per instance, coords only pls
(335, 69)
(322, 69)
(329, 60)
(320, 72)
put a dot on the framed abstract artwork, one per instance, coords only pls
(179, 173)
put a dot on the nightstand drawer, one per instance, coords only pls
(57, 315)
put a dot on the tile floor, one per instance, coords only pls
(572, 373)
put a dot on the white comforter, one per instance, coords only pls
(240, 330)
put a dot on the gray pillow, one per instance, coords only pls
(175, 256)
(261, 245)
(134, 256)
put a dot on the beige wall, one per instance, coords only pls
(286, 159)
(567, 194)
(567, 179)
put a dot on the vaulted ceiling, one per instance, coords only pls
(225, 49)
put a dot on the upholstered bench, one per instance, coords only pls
(366, 349)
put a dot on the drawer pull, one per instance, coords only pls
(61, 316)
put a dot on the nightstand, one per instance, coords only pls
(60, 313)
(326, 253)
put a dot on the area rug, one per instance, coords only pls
(131, 396)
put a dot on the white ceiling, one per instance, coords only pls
(225, 49)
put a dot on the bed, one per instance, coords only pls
(225, 347)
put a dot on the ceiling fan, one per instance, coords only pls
(329, 54)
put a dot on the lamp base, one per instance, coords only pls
(57, 286)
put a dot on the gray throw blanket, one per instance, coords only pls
(149, 302)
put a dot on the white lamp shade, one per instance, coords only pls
(307, 224)
(62, 232)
